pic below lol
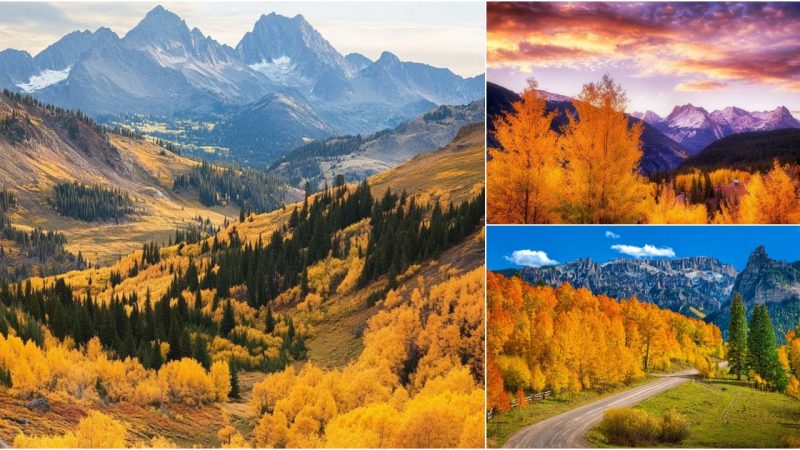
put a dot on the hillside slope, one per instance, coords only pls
(357, 157)
(319, 292)
(41, 146)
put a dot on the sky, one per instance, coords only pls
(519, 246)
(448, 35)
(711, 55)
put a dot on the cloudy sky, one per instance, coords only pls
(515, 247)
(709, 54)
(444, 34)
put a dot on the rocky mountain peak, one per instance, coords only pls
(758, 257)
(157, 27)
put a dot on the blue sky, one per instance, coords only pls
(448, 34)
(514, 246)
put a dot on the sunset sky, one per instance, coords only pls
(664, 54)
(448, 34)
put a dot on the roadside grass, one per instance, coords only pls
(504, 425)
(725, 413)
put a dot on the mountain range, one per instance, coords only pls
(283, 77)
(695, 286)
(695, 128)
(666, 141)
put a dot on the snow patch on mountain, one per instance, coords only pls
(45, 78)
(280, 70)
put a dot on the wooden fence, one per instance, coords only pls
(530, 398)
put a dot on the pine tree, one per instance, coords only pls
(200, 352)
(737, 338)
(763, 349)
(175, 335)
(235, 392)
(228, 321)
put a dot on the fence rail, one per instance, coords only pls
(539, 396)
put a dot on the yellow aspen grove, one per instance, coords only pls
(602, 151)
(524, 177)
(668, 209)
(771, 198)
(546, 345)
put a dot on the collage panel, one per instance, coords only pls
(643, 113)
(242, 225)
(643, 336)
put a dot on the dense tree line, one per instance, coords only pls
(269, 268)
(568, 339)
(401, 235)
(249, 189)
(751, 151)
(90, 203)
(129, 330)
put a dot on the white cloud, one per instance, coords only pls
(530, 258)
(648, 251)
(612, 235)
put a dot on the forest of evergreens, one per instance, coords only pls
(249, 189)
(91, 203)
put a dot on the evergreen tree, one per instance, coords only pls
(175, 335)
(763, 350)
(200, 352)
(235, 391)
(737, 338)
(228, 321)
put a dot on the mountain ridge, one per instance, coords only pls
(695, 127)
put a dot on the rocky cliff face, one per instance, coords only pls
(765, 280)
(678, 284)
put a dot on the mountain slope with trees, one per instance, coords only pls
(45, 150)
(317, 292)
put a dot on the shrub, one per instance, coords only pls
(630, 427)
(674, 427)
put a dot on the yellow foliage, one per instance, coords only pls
(365, 405)
(668, 209)
(538, 339)
(186, 380)
(94, 431)
(221, 379)
(524, 177)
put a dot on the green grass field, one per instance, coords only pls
(504, 425)
(726, 413)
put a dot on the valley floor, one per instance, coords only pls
(725, 414)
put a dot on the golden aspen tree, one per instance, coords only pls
(602, 152)
(523, 177)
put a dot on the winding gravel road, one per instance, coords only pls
(567, 430)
